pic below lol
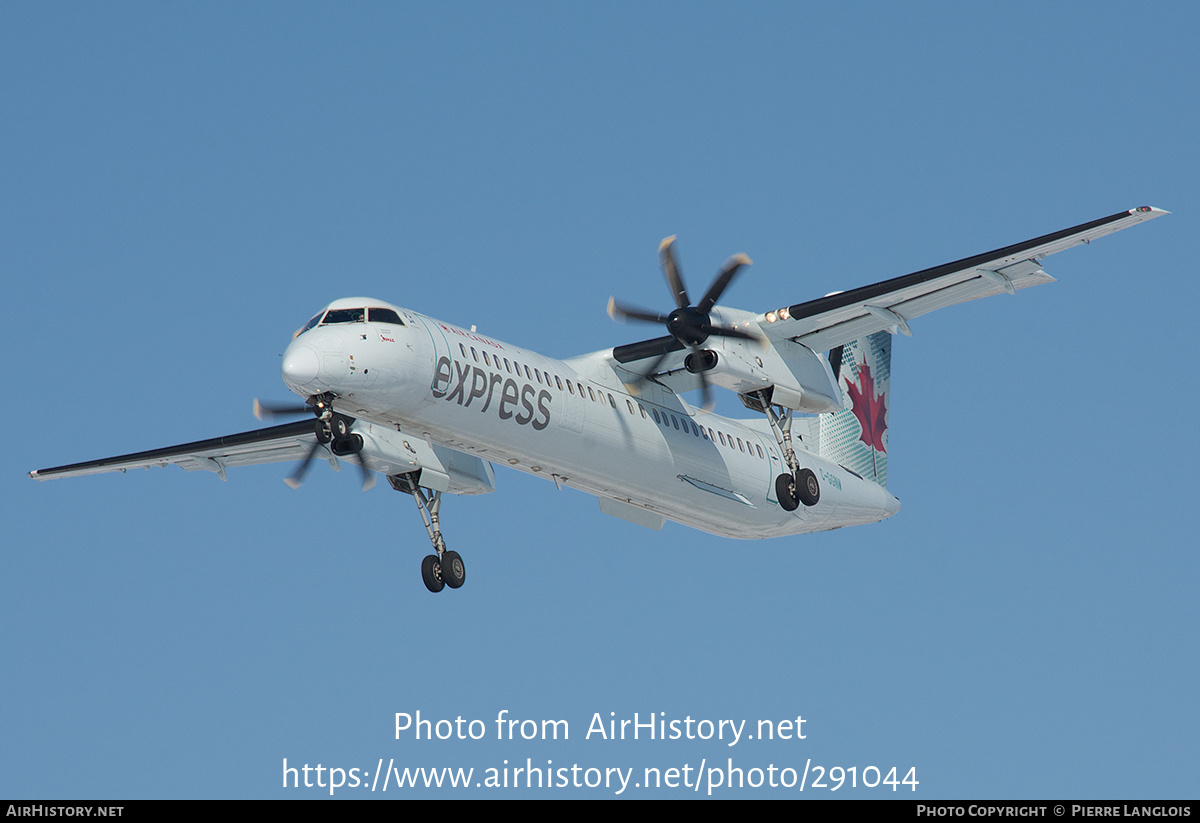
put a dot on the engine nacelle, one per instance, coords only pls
(799, 378)
(442, 469)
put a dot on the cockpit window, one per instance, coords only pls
(385, 316)
(344, 316)
(310, 324)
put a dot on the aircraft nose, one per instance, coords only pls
(300, 366)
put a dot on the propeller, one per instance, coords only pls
(269, 411)
(690, 325)
(297, 477)
(347, 443)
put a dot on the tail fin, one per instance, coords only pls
(857, 436)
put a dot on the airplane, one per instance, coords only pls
(431, 406)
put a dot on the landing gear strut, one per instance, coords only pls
(799, 485)
(445, 568)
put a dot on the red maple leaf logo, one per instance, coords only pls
(870, 410)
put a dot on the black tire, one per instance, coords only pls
(454, 573)
(807, 487)
(323, 433)
(340, 427)
(785, 492)
(431, 573)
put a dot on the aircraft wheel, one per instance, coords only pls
(340, 427)
(807, 487)
(431, 573)
(785, 491)
(454, 573)
(324, 435)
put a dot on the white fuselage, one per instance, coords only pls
(571, 421)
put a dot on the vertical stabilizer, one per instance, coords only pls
(857, 436)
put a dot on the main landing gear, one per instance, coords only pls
(798, 485)
(445, 568)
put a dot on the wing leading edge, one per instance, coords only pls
(291, 441)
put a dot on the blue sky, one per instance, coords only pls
(183, 186)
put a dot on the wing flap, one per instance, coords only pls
(862, 323)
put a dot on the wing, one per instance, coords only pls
(291, 441)
(832, 321)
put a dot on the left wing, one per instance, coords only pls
(291, 441)
(832, 321)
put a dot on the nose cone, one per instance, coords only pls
(300, 366)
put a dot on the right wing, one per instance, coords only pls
(291, 441)
(829, 322)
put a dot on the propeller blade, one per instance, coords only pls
(268, 411)
(653, 367)
(730, 331)
(671, 271)
(707, 402)
(367, 475)
(297, 476)
(732, 266)
(621, 312)
(644, 376)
